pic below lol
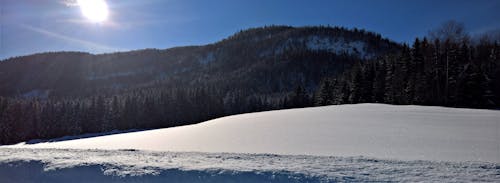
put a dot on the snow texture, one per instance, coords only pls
(370, 130)
(70, 165)
(42, 94)
(337, 46)
(210, 57)
(346, 143)
(112, 75)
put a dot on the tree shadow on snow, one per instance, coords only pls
(83, 136)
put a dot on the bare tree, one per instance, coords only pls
(451, 30)
(491, 36)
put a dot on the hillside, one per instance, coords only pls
(278, 56)
(373, 130)
(363, 142)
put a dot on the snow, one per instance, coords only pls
(210, 57)
(43, 94)
(112, 75)
(70, 165)
(346, 143)
(337, 46)
(371, 130)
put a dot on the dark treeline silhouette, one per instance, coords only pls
(42, 119)
(26, 119)
(444, 73)
(52, 95)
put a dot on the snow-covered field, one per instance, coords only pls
(64, 165)
(363, 142)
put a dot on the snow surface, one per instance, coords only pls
(210, 57)
(370, 130)
(93, 76)
(69, 165)
(337, 46)
(43, 94)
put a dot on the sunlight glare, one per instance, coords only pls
(94, 10)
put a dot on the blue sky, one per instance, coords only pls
(31, 26)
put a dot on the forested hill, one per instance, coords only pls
(261, 60)
(67, 93)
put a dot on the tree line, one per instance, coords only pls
(23, 119)
(443, 73)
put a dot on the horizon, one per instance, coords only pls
(179, 46)
(31, 27)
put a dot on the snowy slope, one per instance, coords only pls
(371, 130)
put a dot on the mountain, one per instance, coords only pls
(273, 59)
(51, 95)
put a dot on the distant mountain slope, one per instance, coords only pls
(264, 60)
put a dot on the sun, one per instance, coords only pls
(94, 10)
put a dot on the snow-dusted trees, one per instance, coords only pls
(440, 73)
(325, 93)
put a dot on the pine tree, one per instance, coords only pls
(356, 85)
(400, 80)
(325, 93)
(379, 85)
(418, 76)
(389, 80)
(452, 67)
(300, 98)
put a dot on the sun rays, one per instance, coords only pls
(94, 10)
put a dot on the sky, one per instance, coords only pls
(33, 26)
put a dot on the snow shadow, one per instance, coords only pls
(83, 136)
(33, 171)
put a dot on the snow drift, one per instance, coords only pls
(363, 142)
(69, 165)
(373, 130)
